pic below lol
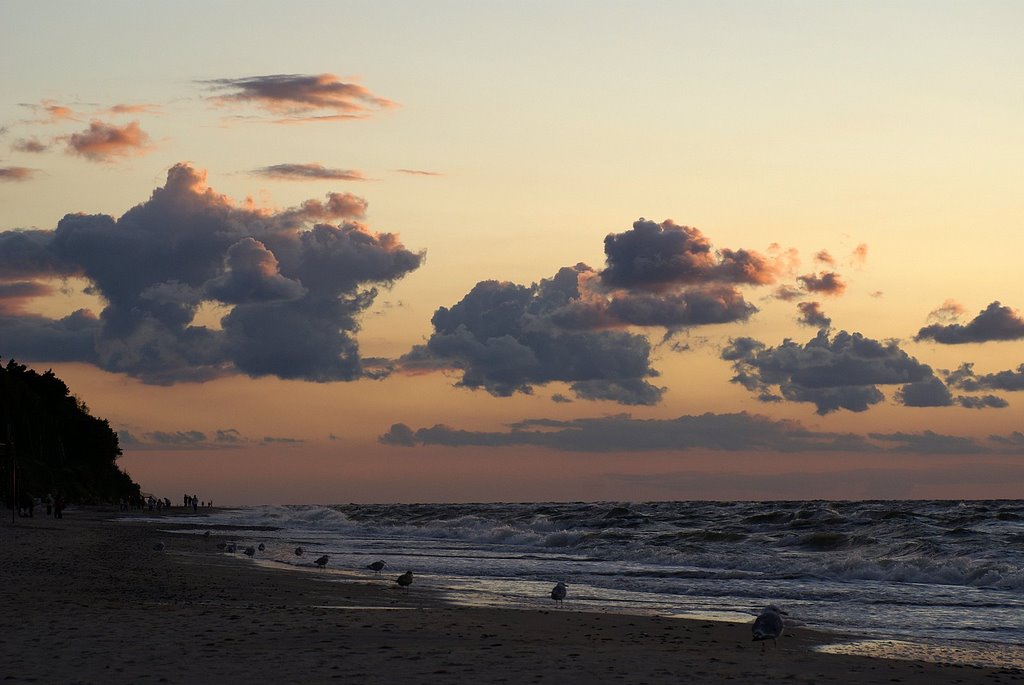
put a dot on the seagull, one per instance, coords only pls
(769, 625)
(404, 580)
(261, 547)
(250, 551)
(298, 551)
(558, 593)
(322, 561)
(231, 548)
(158, 547)
(378, 566)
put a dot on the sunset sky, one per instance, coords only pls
(480, 251)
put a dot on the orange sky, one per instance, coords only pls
(722, 251)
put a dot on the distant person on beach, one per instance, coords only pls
(49, 505)
(195, 503)
(184, 500)
(58, 507)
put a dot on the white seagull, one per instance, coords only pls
(404, 580)
(558, 593)
(769, 625)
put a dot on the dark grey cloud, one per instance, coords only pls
(843, 372)
(965, 378)
(656, 256)
(295, 290)
(30, 145)
(300, 97)
(308, 172)
(16, 173)
(995, 322)
(725, 432)
(930, 392)
(506, 338)
(736, 432)
(982, 402)
(811, 314)
(825, 283)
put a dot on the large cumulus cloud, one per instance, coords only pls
(293, 284)
(995, 322)
(506, 338)
(843, 372)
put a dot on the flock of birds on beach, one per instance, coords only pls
(769, 624)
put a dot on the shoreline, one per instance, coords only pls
(90, 600)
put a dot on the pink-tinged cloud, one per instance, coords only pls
(824, 257)
(138, 108)
(418, 172)
(308, 172)
(30, 145)
(826, 282)
(948, 312)
(52, 113)
(16, 173)
(860, 255)
(301, 97)
(103, 142)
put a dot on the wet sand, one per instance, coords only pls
(88, 600)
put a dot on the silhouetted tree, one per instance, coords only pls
(60, 446)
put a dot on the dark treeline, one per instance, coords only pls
(59, 447)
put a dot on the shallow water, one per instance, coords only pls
(937, 574)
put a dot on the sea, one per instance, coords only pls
(912, 579)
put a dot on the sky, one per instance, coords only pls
(328, 252)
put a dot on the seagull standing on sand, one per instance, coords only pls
(558, 593)
(250, 551)
(769, 625)
(377, 567)
(404, 580)
(322, 561)
(298, 551)
(261, 547)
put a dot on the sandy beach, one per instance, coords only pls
(88, 600)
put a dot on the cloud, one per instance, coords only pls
(734, 432)
(859, 256)
(136, 108)
(308, 172)
(656, 256)
(419, 172)
(294, 291)
(30, 145)
(839, 373)
(507, 338)
(824, 257)
(50, 112)
(811, 315)
(724, 432)
(827, 283)
(103, 142)
(300, 97)
(16, 173)
(965, 378)
(14, 294)
(948, 312)
(995, 322)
